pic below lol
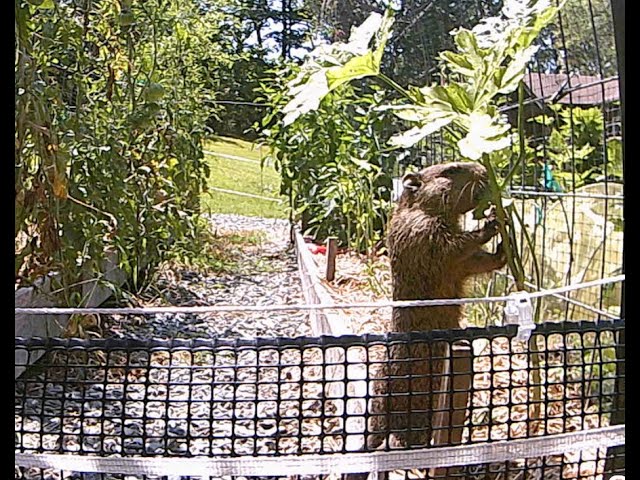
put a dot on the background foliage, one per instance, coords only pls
(259, 35)
(576, 147)
(334, 165)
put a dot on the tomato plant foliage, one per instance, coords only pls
(109, 117)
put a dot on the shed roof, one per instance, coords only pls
(574, 89)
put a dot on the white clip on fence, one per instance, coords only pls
(519, 311)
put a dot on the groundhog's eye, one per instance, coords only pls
(453, 170)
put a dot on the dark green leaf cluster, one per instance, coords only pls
(577, 150)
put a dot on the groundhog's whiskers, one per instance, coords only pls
(472, 185)
(444, 198)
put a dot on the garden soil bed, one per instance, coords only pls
(359, 279)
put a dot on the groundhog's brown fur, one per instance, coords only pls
(431, 257)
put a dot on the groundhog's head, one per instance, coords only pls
(453, 188)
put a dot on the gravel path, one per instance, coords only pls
(268, 276)
(203, 403)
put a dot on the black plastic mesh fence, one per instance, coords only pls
(270, 397)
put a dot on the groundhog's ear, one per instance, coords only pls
(411, 182)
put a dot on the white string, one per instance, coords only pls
(333, 463)
(285, 307)
(572, 301)
(244, 194)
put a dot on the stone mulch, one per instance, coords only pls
(268, 276)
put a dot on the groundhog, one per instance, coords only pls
(431, 257)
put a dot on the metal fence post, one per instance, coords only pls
(616, 456)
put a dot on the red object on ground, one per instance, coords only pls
(316, 249)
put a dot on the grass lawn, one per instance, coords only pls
(241, 175)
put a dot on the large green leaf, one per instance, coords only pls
(45, 5)
(382, 36)
(485, 135)
(409, 113)
(421, 113)
(467, 43)
(361, 36)
(458, 98)
(357, 67)
(437, 98)
(329, 66)
(516, 69)
(414, 135)
(306, 97)
(458, 63)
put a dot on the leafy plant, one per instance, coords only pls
(108, 125)
(334, 167)
(330, 66)
(575, 147)
(489, 61)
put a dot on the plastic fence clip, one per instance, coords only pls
(519, 311)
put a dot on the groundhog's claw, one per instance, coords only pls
(490, 228)
(490, 213)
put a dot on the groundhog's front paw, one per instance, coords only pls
(490, 213)
(490, 229)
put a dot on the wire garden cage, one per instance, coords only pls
(481, 402)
